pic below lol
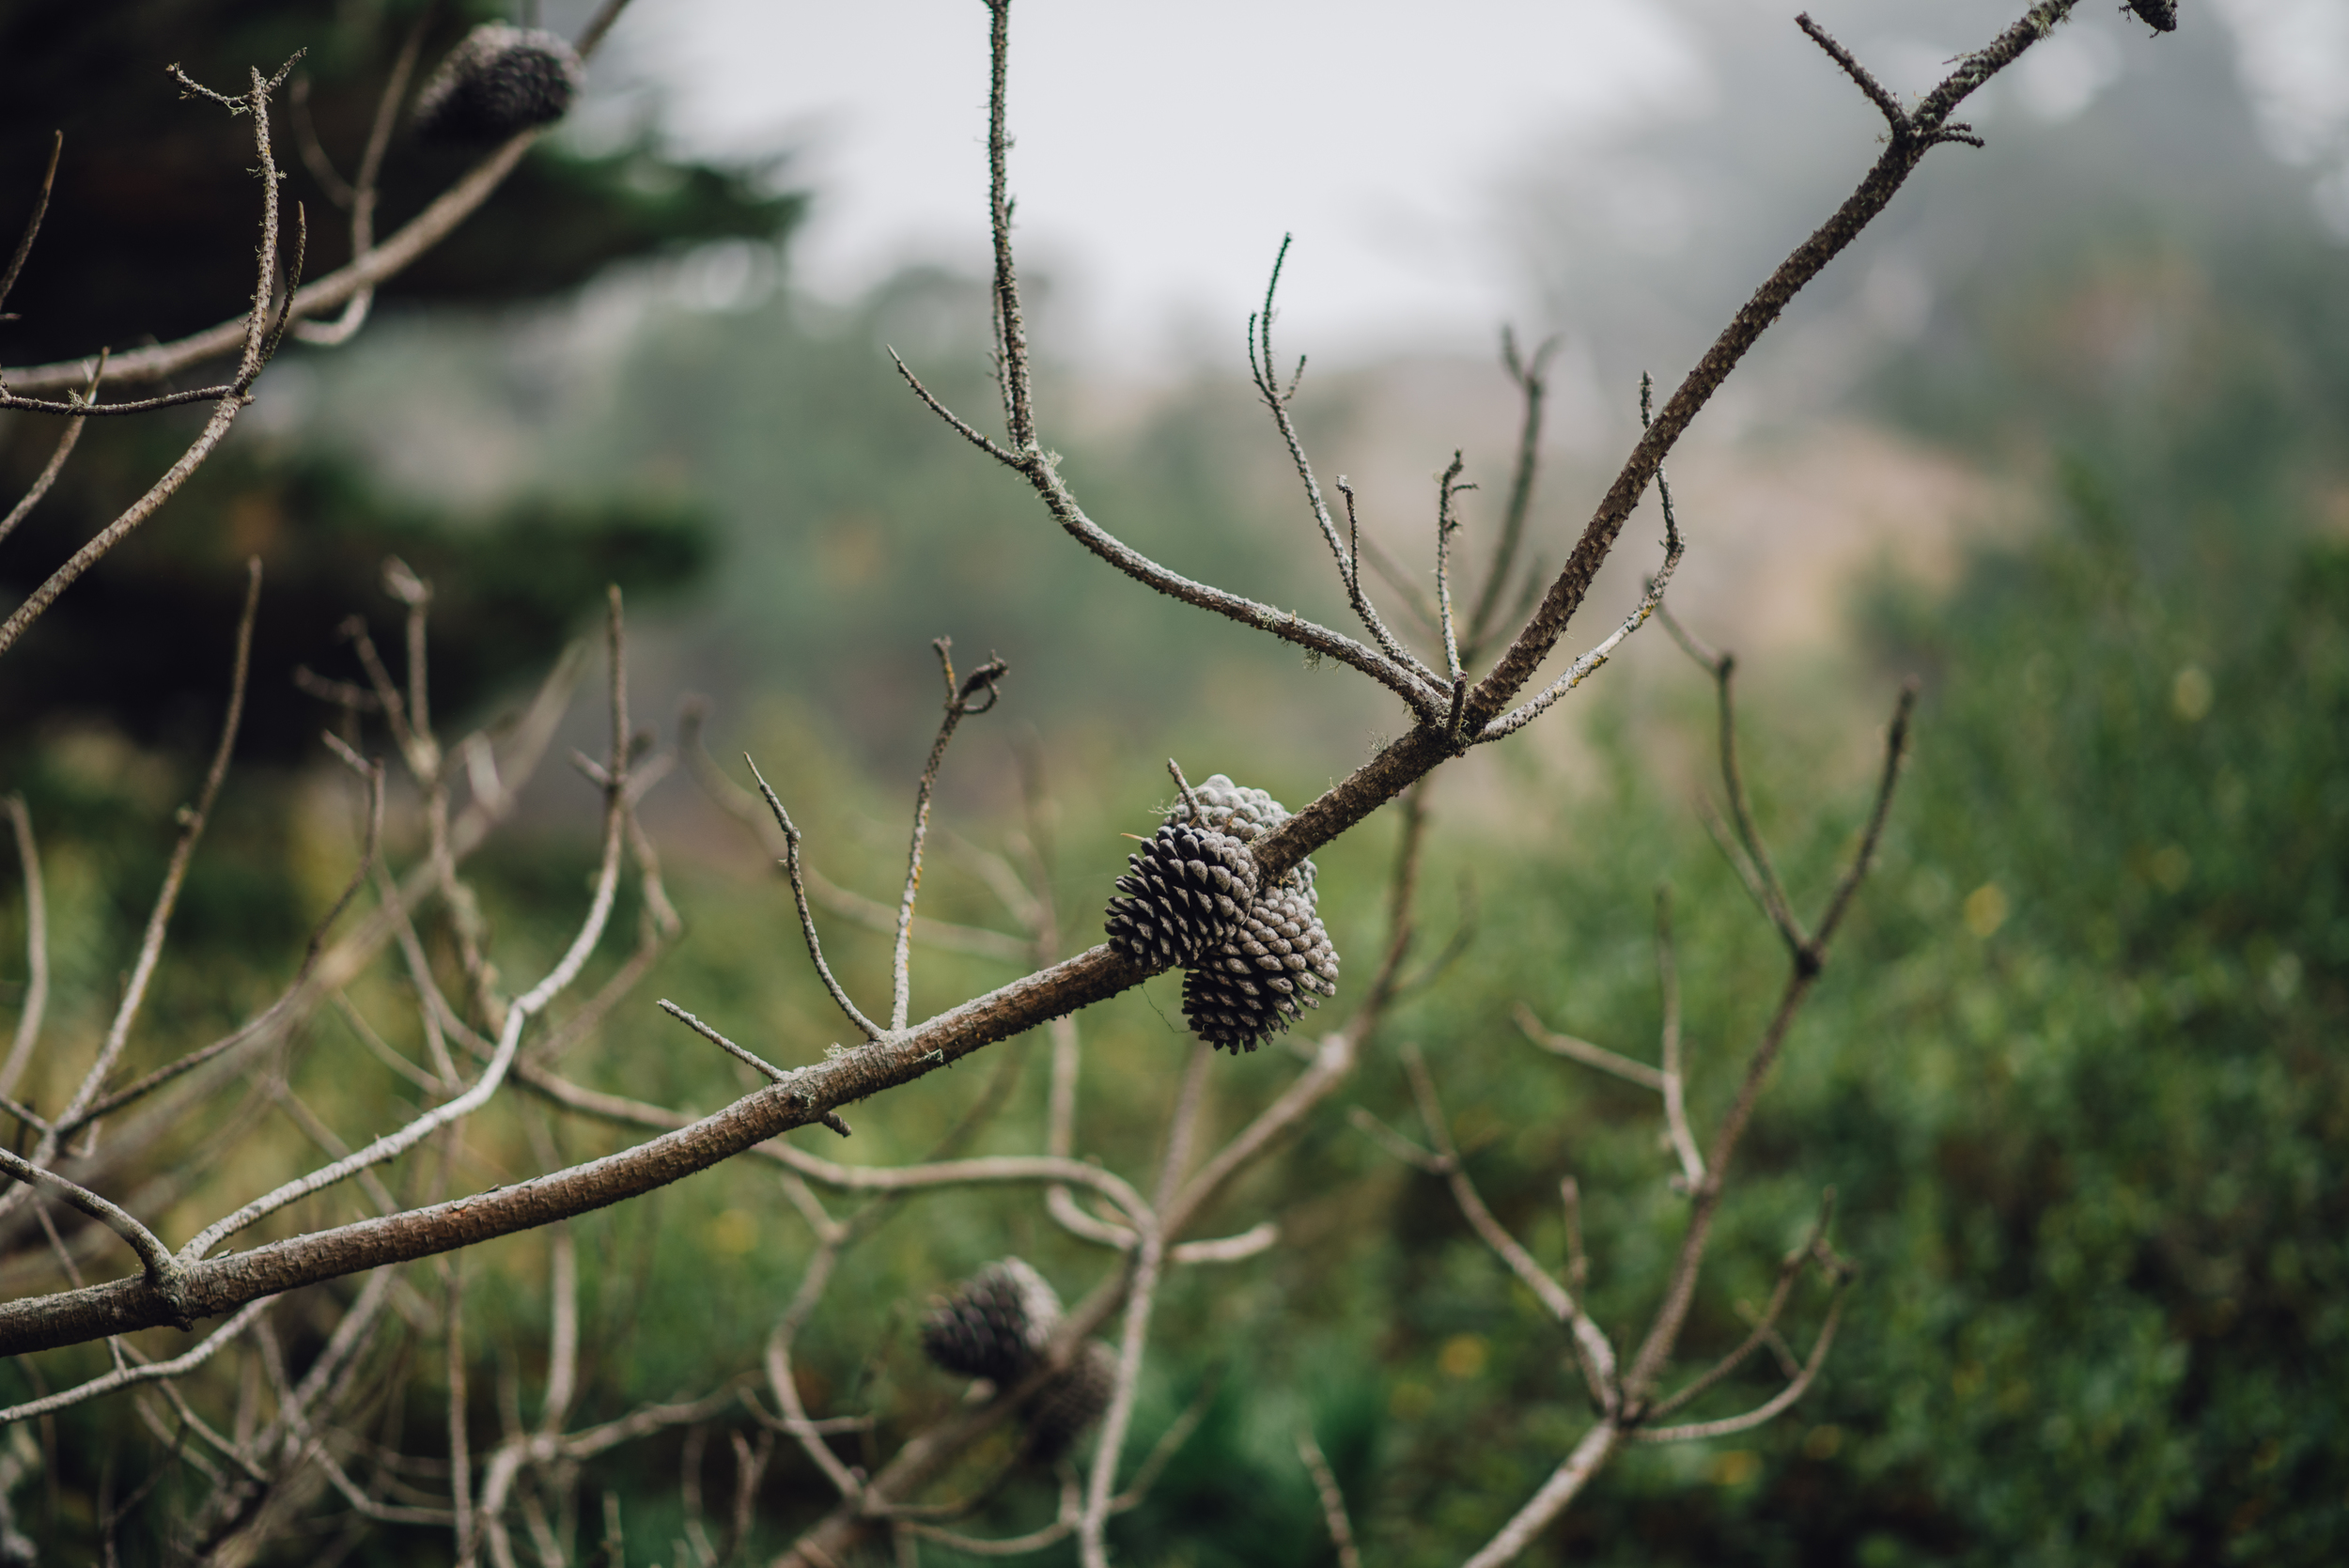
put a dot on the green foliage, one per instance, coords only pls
(145, 174)
(143, 643)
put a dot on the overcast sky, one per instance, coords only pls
(1163, 148)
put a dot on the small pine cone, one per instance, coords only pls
(993, 1324)
(1070, 1402)
(1186, 891)
(497, 81)
(2160, 15)
(1265, 974)
(1238, 810)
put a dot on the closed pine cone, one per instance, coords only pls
(1186, 889)
(994, 1324)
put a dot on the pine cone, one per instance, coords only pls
(993, 1324)
(1070, 1402)
(1262, 977)
(1240, 811)
(497, 81)
(1187, 890)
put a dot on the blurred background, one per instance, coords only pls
(2062, 436)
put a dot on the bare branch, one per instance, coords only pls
(1564, 1484)
(359, 199)
(1896, 753)
(744, 807)
(1261, 370)
(960, 703)
(174, 874)
(36, 947)
(1894, 116)
(1674, 1085)
(1588, 1054)
(808, 921)
(1777, 1405)
(1531, 377)
(123, 1378)
(1928, 125)
(1596, 1356)
(47, 476)
(524, 1008)
(262, 328)
(32, 225)
(1332, 1501)
(1446, 522)
(1813, 1250)
(153, 1253)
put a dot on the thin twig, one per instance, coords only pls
(47, 476)
(359, 198)
(960, 704)
(808, 921)
(1896, 753)
(1596, 1356)
(1812, 1250)
(35, 946)
(152, 1252)
(260, 330)
(1674, 1084)
(1777, 1405)
(745, 808)
(459, 1462)
(1277, 399)
(159, 921)
(1447, 522)
(178, 1366)
(32, 225)
(427, 230)
(1532, 377)
(1332, 1501)
(509, 1039)
(1588, 1054)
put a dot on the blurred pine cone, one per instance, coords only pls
(1069, 1402)
(993, 1325)
(497, 81)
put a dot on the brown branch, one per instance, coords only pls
(1674, 1085)
(1902, 154)
(1332, 1501)
(259, 343)
(871, 1030)
(1775, 1407)
(960, 703)
(174, 874)
(1532, 382)
(36, 947)
(47, 476)
(1813, 1250)
(1592, 1351)
(745, 808)
(359, 198)
(32, 225)
(1261, 370)
(1588, 1054)
(1456, 679)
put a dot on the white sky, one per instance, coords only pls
(1164, 149)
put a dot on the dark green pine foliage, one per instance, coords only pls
(150, 228)
(150, 236)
